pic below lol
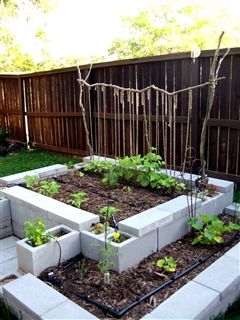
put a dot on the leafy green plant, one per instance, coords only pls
(48, 188)
(78, 199)
(168, 264)
(210, 229)
(35, 232)
(99, 166)
(110, 179)
(80, 174)
(69, 164)
(31, 181)
(108, 212)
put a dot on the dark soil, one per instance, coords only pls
(133, 283)
(130, 200)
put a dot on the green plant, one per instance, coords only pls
(99, 166)
(78, 199)
(48, 188)
(31, 181)
(106, 262)
(110, 179)
(69, 164)
(118, 237)
(81, 268)
(108, 212)
(210, 230)
(35, 232)
(168, 264)
(80, 174)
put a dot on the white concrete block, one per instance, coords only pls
(126, 254)
(5, 213)
(17, 193)
(192, 301)
(17, 178)
(222, 276)
(6, 232)
(32, 296)
(67, 310)
(172, 231)
(94, 157)
(222, 185)
(8, 267)
(36, 259)
(51, 171)
(8, 254)
(233, 209)
(8, 242)
(234, 252)
(178, 206)
(146, 221)
(79, 166)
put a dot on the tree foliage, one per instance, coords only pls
(176, 26)
(14, 53)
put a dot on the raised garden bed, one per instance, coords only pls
(84, 278)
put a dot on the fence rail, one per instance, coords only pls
(49, 102)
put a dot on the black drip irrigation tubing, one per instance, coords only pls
(119, 313)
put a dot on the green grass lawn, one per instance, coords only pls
(27, 160)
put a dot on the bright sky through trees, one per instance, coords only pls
(82, 29)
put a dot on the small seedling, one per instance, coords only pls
(168, 264)
(78, 199)
(80, 174)
(211, 190)
(36, 232)
(82, 269)
(48, 189)
(31, 181)
(108, 212)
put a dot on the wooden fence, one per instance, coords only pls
(49, 101)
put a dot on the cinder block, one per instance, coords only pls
(179, 206)
(234, 253)
(67, 310)
(6, 232)
(36, 259)
(5, 213)
(94, 157)
(17, 178)
(222, 276)
(126, 254)
(79, 166)
(207, 206)
(222, 185)
(8, 254)
(146, 221)
(233, 209)
(18, 230)
(75, 218)
(8, 267)
(31, 296)
(172, 231)
(192, 301)
(8, 242)
(17, 193)
(51, 171)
